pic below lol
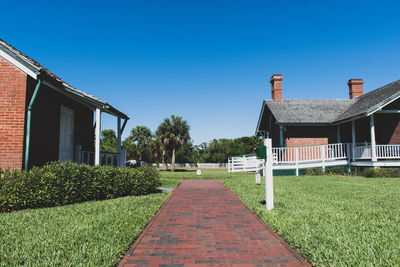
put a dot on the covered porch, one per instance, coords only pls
(98, 157)
(374, 138)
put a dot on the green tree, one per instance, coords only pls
(173, 133)
(141, 136)
(108, 141)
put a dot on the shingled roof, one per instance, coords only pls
(59, 83)
(371, 102)
(308, 111)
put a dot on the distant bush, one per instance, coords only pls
(313, 171)
(341, 170)
(65, 183)
(381, 172)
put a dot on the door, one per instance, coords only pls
(66, 148)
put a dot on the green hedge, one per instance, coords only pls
(58, 184)
(381, 172)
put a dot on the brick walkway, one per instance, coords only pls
(204, 224)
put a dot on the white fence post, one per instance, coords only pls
(269, 186)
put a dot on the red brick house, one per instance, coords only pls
(370, 122)
(43, 118)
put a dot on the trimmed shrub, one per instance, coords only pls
(313, 171)
(381, 172)
(341, 170)
(58, 184)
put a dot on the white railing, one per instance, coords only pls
(245, 163)
(388, 151)
(106, 158)
(362, 152)
(194, 165)
(310, 153)
(295, 158)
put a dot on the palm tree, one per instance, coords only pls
(162, 134)
(173, 134)
(141, 135)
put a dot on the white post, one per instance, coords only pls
(353, 139)
(119, 134)
(97, 136)
(280, 136)
(373, 143)
(323, 157)
(122, 157)
(338, 133)
(297, 161)
(269, 186)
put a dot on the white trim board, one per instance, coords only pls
(18, 64)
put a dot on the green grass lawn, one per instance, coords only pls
(331, 220)
(95, 233)
(171, 179)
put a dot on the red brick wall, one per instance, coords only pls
(12, 115)
(310, 135)
(395, 139)
(292, 142)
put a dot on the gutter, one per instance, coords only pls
(28, 123)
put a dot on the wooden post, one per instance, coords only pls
(338, 133)
(269, 186)
(373, 143)
(353, 139)
(97, 136)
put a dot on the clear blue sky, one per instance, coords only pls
(208, 61)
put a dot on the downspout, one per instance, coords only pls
(28, 123)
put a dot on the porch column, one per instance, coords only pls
(119, 135)
(97, 136)
(280, 136)
(338, 133)
(373, 143)
(353, 139)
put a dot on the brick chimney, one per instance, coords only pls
(276, 87)
(355, 87)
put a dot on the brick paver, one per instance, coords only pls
(204, 224)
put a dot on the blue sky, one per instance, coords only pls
(208, 61)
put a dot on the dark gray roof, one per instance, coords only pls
(371, 101)
(58, 82)
(308, 111)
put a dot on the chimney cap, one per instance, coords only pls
(355, 81)
(276, 77)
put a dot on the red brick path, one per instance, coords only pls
(203, 223)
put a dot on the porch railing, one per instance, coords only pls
(310, 153)
(106, 158)
(382, 152)
(388, 151)
(362, 152)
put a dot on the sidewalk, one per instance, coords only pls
(204, 224)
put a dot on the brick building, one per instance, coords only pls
(365, 120)
(43, 118)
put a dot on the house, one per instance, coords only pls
(43, 118)
(370, 122)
